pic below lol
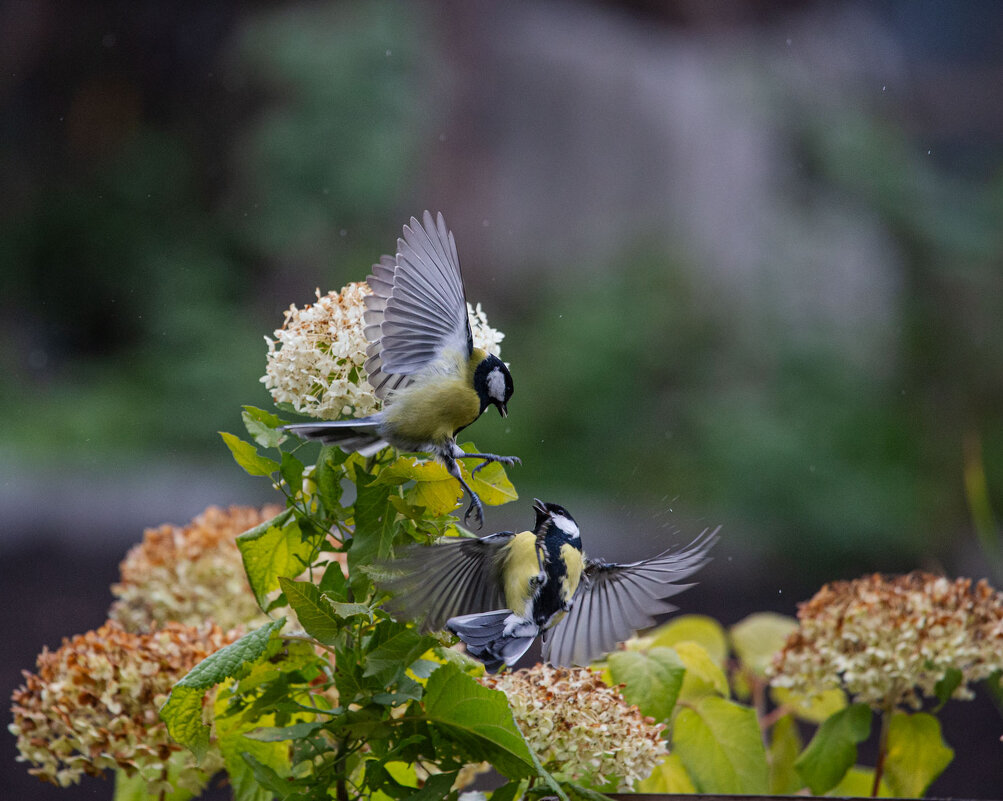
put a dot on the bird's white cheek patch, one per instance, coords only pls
(496, 384)
(567, 526)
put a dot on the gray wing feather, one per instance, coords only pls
(458, 576)
(417, 309)
(614, 601)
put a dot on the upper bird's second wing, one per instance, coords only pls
(418, 309)
(614, 601)
(458, 576)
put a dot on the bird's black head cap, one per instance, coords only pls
(552, 518)
(493, 383)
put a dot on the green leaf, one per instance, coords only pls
(703, 675)
(756, 638)
(436, 786)
(374, 529)
(668, 777)
(916, 754)
(247, 456)
(263, 427)
(273, 549)
(721, 747)
(312, 609)
(329, 472)
(653, 679)
(267, 777)
(397, 651)
(785, 745)
(292, 472)
(693, 628)
(182, 712)
(278, 734)
(833, 749)
(478, 719)
(948, 683)
(333, 583)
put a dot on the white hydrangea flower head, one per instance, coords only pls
(580, 728)
(316, 361)
(888, 640)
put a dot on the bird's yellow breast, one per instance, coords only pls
(520, 565)
(438, 403)
(575, 564)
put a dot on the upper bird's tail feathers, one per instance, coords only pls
(360, 435)
(495, 638)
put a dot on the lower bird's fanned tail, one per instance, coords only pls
(361, 435)
(495, 638)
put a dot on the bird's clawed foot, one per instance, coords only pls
(477, 509)
(488, 458)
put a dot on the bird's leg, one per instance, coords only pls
(453, 468)
(459, 453)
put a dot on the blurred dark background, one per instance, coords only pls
(748, 258)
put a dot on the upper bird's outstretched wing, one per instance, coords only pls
(457, 576)
(418, 309)
(614, 601)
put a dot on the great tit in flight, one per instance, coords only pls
(422, 362)
(499, 592)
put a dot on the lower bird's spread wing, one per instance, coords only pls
(457, 576)
(614, 601)
(418, 309)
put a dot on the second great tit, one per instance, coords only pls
(499, 592)
(422, 362)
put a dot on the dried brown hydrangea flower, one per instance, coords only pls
(93, 706)
(888, 640)
(316, 360)
(189, 574)
(580, 727)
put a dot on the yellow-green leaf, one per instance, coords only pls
(758, 637)
(720, 746)
(812, 708)
(694, 628)
(857, 783)
(703, 676)
(652, 680)
(668, 777)
(785, 745)
(916, 755)
(275, 548)
(246, 455)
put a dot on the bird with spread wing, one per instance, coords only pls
(500, 592)
(422, 362)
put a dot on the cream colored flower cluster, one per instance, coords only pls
(581, 728)
(93, 705)
(888, 641)
(316, 361)
(189, 574)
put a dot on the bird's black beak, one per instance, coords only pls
(503, 409)
(540, 508)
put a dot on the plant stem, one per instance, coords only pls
(886, 716)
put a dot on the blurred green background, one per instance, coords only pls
(748, 258)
